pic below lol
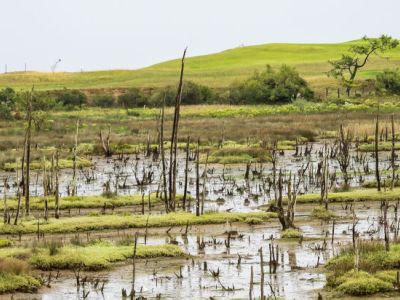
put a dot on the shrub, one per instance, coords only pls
(72, 98)
(133, 98)
(388, 82)
(103, 100)
(271, 87)
(8, 99)
(43, 102)
(192, 93)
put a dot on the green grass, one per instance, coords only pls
(62, 164)
(96, 255)
(382, 146)
(322, 213)
(5, 243)
(377, 269)
(14, 276)
(358, 195)
(238, 154)
(217, 70)
(291, 234)
(115, 222)
(359, 283)
(38, 203)
(10, 283)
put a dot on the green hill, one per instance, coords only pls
(216, 70)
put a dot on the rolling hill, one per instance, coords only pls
(217, 70)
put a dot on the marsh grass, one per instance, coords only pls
(357, 195)
(322, 213)
(377, 269)
(123, 221)
(291, 234)
(94, 201)
(14, 276)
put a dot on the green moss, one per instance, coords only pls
(38, 203)
(18, 283)
(5, 243)
(359, 283)
(98, 255)
(253, 220)
(322, 213)
(358, 195)
(291, 234)
(382, 146)
(62, 163)
(113, 222)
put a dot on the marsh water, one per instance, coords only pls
(299, 273)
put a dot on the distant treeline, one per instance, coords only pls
(268, 87)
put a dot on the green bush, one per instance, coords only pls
(192, 93)
(132, 98)
(271, 87)
(72, 98)
(8, 100)
(103, 100)
(388, 82)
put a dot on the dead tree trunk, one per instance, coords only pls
(74, 183)
(392, 158)
(174, 139)
(5, 201)
(57, 191)
(378, 179)
(164, 171)
(197, 179)
(186, 173)
(19, 199)
(28, 153)
(105, 144)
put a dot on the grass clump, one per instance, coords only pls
(238, 154)
(360, 283)
(14, 276)
(66, 163)
(123, 221)
(377, 269)
(253, 221)
(358, 195)
(98, 256)
(291, 234)
(107, 200)
(5, 243)
(322, 213)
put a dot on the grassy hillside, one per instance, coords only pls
(217, 70)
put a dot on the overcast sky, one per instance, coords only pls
(128, 34)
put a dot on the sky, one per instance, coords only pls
(128, 34)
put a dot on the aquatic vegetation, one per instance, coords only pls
(5, 243)
(360, 283)
(123, 221)
(98, 256)
(291, 234)
(14, 276)
(358, 195)
(322, 213)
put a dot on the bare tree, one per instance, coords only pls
(174, 139)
